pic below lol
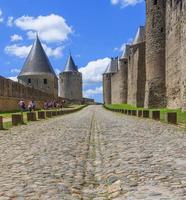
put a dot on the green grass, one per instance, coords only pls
(181, 115)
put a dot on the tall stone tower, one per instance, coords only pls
(121, 77)
(111, 69)
(37, 71)
(71, 81)
(155, 54)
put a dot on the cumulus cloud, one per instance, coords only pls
(92, 92)
(125, 3)
(1, 16)
(18, 51)
(51, 28)
(23, 51)
(10, 21)
(15, 70)
(92, 72)
(16, 37)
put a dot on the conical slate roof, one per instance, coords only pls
(126, 51)
(37, 62)
(140, 35)
(70, 65)
(112, 67)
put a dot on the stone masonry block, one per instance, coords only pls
(156, 115)
(48, 114)
(31, 116)
(134, 112)
(17, 119)
(171, 118)
(54, 113)
(41, 115)
(140, 113)
(1, 123)
(146, 113)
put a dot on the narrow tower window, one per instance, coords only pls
(29, 81)
(155, 2)
(45, 81)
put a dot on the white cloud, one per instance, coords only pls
(51, 28)
(125, 3)
(19, 51)
(1, 18)
(10, 21)
(23, 51)
(92, 72)
(90, 93)
(16, 37)
(13, 78)
(15, 70)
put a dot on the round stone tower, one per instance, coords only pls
(71, 81)
(155, 54)
(111, 69)
(37, 71)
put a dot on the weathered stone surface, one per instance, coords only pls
(155, 54)
(156, 115)
(17, 119)
(31, 116)
(171, 118)
(1, 123)
(93, 154)
(41, 115)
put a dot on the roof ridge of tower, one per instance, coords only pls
(140, 35)
(70, 65)
(37, 61)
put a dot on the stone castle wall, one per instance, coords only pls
(119, 85)
(155, 53)
(160, 64)
(107, 88)
(175, 53)
(37, 81)
(12, 92)
(136, 75)
(71, 85)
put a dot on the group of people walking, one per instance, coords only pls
(47, 105)
(53, 105)
(31, 106)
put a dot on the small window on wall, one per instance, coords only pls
(29, 80)
(155, 2)
(45, 81)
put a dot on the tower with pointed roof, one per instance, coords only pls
(111, 69)
(37, 71)
(119, 80)
(71, 81)
(155, 53)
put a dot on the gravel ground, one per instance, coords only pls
(93, 154)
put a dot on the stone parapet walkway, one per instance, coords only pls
(93, 154)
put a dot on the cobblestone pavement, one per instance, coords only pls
(93, 154)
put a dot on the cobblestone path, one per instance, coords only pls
(93, 154)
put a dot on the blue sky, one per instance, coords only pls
(93, 30)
